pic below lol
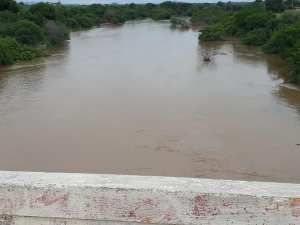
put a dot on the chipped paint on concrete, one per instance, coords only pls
(86, 199)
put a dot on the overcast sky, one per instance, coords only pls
(116, 1)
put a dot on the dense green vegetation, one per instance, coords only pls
(266, 25)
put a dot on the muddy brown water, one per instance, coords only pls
(138, 99)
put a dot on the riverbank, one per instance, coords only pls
(275, 33)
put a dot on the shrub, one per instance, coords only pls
(250, 19)
(8, 17)
(274, 5)
(72, 23)
(6, 56)
(35, 18)
(161, 14)
(85, 21)
(114, 16)
(28, 32)
(12, 51)
(283, 39)
(44, 10)
(212, 33)
(9, 5)
(293, 55)
(256, 37)
(208, 15)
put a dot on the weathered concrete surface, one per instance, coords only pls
(8, 220)
(57, 198)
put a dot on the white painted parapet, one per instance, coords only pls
(86, 199)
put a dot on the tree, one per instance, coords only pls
(9, 5)
(28, 32)
(12, 51)
(294, 58)
(45, 10)
(208, 15)
(56, 33)
(7, 17)
(283, 40)
(85, 21)
(249, 19)
(221, 4)
(274, 5)
(212, 33)
(257, 37)
(6, 57)
(289, 4)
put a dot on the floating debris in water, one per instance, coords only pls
(206, 59)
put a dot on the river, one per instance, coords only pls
(139, 99)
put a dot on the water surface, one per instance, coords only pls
(138, 99)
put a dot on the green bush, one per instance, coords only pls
(212, 33)
(250, 19)
(293, 55)
(289, 18)
(283, 39)
(208, 15)
(274, 5)
(161, 14)
(6, 56)
(256, 37)
(6, 29)
(114, 16)
(45, 10)
(9, 5)
(28, 32)
(35, 18)
(8, 17)
(72, 23)
(85, 21)
(12, 51)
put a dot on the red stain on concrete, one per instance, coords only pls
(148, 201)
(145, 220)
(295, 205)
(142, 207)
(168, 216)
(227, 204)
(295, 202)
(48, 199)
(201, 207)
(132, 214)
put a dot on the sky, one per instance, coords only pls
(117, 1)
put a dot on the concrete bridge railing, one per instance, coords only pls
(85, 199)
